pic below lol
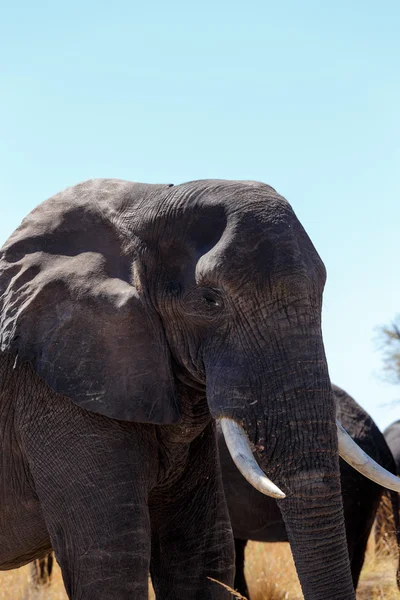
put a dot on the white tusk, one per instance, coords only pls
(239, 447)
(364, 464)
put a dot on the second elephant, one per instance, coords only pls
(385, 520)
(257, 517)
(392, 437)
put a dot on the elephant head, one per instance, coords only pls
(119, 294)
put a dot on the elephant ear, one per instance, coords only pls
(69, 306)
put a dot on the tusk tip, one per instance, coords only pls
(266, 486)
(239, 448)
(364, 464)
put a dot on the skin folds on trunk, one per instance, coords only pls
(290, 421)
(305, 465)
(313, 514)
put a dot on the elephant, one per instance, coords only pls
(257, 517)
(133, 317)
(386, 524)
(392, 436)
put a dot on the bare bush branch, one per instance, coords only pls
(390, 346)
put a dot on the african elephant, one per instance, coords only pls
(133, 317)
(392, 437)
(386, 523)
(257, 517)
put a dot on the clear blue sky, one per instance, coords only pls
(302, 95)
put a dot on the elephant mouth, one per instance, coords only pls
(240, 450)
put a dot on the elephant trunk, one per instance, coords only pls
(316, 532)
(283, 400)
(303, 461)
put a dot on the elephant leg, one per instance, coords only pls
(50, 560)
(42, 565)
(361, 499)
(93, 476)
(35, 573)
(191, 532)
(357, 548)
(41, 569)
(240, 578)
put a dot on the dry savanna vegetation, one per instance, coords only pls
(269, 570)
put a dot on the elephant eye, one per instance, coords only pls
(211, 300)
(204, 303)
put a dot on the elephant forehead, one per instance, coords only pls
(254, 248)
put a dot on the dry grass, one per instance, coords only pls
(17, 585)
(385, 527)
(269, 569)
(378, 577)
(271, 574)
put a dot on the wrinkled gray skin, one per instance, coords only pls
(257, 517)
(132, 316)
(392, 437)
(385, 527)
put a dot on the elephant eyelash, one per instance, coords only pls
(212, 297)
(204, 303)
(211, 300)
